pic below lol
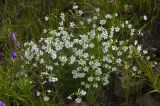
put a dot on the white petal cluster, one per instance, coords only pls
(89, 56)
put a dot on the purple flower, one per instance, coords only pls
(14, 54)
(2, 104)
(13, 37)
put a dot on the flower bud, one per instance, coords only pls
(14, 54)
(13, 37)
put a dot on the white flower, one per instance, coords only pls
(49, 67)
(132, 32)
(62, 16)
(61, 23)
(114, 48)
(80, 12)
(116, 14)
(89, 20)
(98, 71)
(46, 18)
(145, 51)
(95, 85)
(148, 57)
(49, 91)
(72, 24)
(106, 82)
(52, 32)
(72, 59)
(44, 73)
(122, 25)
(130, 26)
(139, 48)
(63, 59)
(94, 17)
(90, 79)
(117, 29)
(126, 22)
(41, 61)
(45, 31)
(78, 100)
(119, 53)
(134, 68)
(114, 69)
(69, 97)
(83, 93)
(46, 98)
(145, 17)
(35, 64)
(102, 22)
(135, 42)
(108, 16)
(53, 79)
(81, 22)
(53, 55)
(119, 61)
(38, 93)
(75, 7)
(97, 9)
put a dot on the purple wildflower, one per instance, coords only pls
(2, 104)
(14, 54)
(13, 37)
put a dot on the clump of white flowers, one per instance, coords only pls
(91, 54)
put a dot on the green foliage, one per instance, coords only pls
(26, 18)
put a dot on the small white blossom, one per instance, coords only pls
(83, 93)
(139, 48)
(78, 100)
(90, 79)
(135, 42)
(75, 7)
(62, 15)
(69, 97)
(46, 18)
(130, 26)
(72, 24)
(38, 93)
(117, 29)
(80, 12)
(95, 85)
(116, 14)
(46, 98)
(102, 22)
(49, 91)
(89, 20)
(145, 51)
(81, 23)
(145, 17)
(108, 16)
(134, 68)
(53, 79)
(126, 22)
(42, 61)
(94, 17)
(97, 9)
(45, 31)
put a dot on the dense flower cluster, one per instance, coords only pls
(91, 54)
